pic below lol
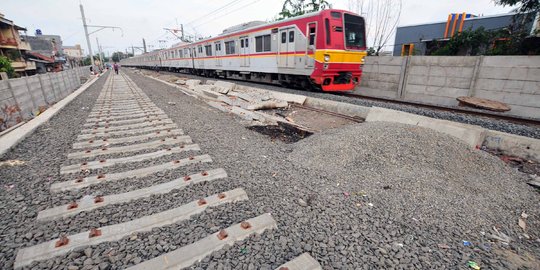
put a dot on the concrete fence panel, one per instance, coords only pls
(381, 76)
(34, 87)
(21, 93)
(47, 88)
(514, 80)
(439, 80)
(31, 93)
(7, 100)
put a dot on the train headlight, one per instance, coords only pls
(326, 58)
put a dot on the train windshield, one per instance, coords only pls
(354, 32)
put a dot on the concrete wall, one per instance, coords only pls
(439, 80)
(31, 93)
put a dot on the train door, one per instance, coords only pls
(311, 44)
(244, 51)
(217, 47)
(200, 55)
(286, 47)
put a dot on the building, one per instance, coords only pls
(45, 48)
(14, 47)
(73, 55)
(419, 39)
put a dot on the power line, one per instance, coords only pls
(215, 11)
(232, 11)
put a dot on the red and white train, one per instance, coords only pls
(324, 49)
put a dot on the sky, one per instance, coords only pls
(140, 19)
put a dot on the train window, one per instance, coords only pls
(327, 29)
(312, 35)
(291, 36)
(283, 37)
(354, 32)
(262, 43)
(208, 49)
(218, 46)
(241, 43)
(247, 42)
(230, 47)
(336, 15)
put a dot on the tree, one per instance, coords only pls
(382, 18)
(523, 6)
(5, 66)
(293, 8)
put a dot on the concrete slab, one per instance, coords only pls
(469, 134)
(89, 203)
(97, 164)
(224, 87)
(181, 140)
(190, 254)
(116, 232)
(14, 137)
(302, 262)
(513, 145)
(338, 107)
(137, 173)
(192, 83)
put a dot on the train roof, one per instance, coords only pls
(254, 27)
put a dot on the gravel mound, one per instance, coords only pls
(418, 173)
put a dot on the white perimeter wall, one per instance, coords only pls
(439, 80)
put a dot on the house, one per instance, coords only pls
(14, 47)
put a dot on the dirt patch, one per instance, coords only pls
(283, 133)
(524, 261)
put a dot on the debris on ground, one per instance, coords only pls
(11, 163)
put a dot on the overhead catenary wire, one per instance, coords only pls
(232, 11)
(218, 10)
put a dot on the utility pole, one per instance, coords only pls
(100, 27)
(87, 36)
(144, 45)
(100, 53)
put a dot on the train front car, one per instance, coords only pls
(339, 51)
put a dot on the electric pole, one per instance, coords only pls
(100, 27)
(144, 45)
(87, 37)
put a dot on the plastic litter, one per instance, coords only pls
(243, 250)
(467, 243)
(473, 265)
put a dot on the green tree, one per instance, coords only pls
(5, 66)
(522, 6)
(293, 8)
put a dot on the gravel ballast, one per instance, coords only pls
(358, 224)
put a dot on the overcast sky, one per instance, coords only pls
(147, 18)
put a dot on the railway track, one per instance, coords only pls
(126, 127)
(512, 119)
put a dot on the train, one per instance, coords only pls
(322, 50)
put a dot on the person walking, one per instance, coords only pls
(115, 66)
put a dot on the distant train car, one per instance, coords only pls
(324, 50)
